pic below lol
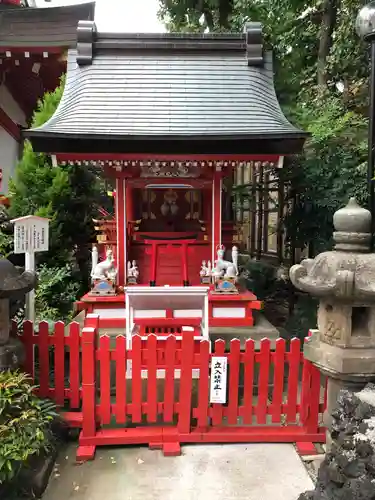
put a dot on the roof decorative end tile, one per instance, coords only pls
(254, 44)
(86, 35)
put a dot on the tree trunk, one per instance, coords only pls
(329, 9)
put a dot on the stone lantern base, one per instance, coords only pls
(12, 354)
(346, 368)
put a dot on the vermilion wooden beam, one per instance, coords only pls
(187, 181)
(121, 223)
(9, 125)
(143, 156)
(11, 2)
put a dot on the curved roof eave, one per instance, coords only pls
(43, 27)
(166, 88)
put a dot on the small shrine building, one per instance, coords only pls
(169, 117)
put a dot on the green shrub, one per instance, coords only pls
(25, 424)
(260, 277)
(55, 294)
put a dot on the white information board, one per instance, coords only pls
(30, 234)
(218, 382)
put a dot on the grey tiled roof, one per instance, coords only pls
(43, 27)
(143, 92)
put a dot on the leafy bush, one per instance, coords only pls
(266, 281)
(56, 291)
(260, 278)
(25, 424)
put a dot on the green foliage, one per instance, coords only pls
(331, 169)
(260, 278)
(48, 105)
(6, 232)
(321, 79)
(56, 291)
(25, 423)
(68, 196)
(303, 318)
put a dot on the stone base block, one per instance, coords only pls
(11, 354)
(262, 329)
(344, 361)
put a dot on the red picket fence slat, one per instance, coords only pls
(152, 398)
(234, 379)
(278, 380)
(44, 365)
(168, 381)
(75, 365)
(28, 342)
(170, 354)
(104, 358)
(88, 382)
(202, 412)
(248, 382)
(184, 407)
(294, 357)
(59, 344)
(120, 357)
(137, 380)
(265, 352)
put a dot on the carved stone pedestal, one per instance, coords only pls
(11, 354)
(343, 347)
(12, 285)
(346, 369)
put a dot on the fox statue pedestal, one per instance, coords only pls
(13, 285)
(103, 274)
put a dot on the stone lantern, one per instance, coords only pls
(343, 347)
(13, 285)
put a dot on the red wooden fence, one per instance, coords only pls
(157, 393)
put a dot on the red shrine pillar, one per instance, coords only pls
(121, 230)
(216, 214)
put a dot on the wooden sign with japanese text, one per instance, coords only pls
(30, 234)
(218, 382)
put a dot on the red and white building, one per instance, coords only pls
(33, 46)
(169, 118)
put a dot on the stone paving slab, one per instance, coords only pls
(203, 472)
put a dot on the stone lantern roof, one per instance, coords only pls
(13, 284)
(346, 273)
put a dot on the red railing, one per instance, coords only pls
(273, 394)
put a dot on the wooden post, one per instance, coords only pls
(88, 382)
(121, 222)
(30, 297)
(129, 193)
(185, 273)
(186, 384)
(312, 420)
(154, 258)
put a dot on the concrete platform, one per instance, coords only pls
(262, 329)
(244, 471)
